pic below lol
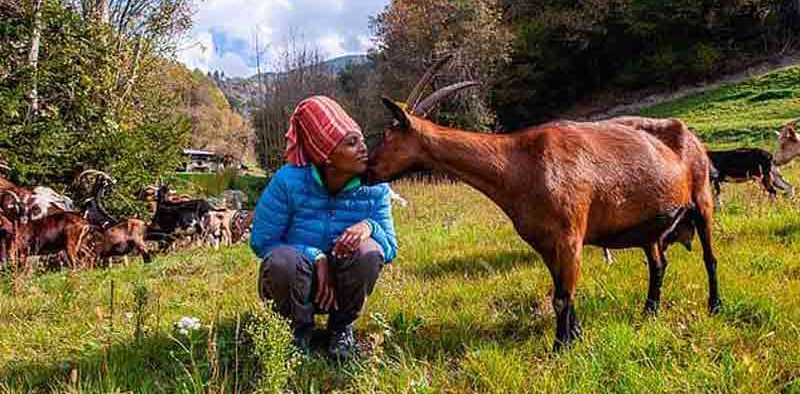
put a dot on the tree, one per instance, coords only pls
(100, 104)
(413, 34)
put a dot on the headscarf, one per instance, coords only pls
(316, 127)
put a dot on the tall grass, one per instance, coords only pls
(465, 308)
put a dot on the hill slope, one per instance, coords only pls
(215, 125)
(745, 112)
(243, 92)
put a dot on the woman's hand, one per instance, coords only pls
(351, 239)
(325, 296)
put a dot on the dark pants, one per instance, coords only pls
(288, 278)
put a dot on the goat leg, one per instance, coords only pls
(657, 264)
(564, 265)
(702, 216)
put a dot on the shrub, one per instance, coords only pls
(272, 345)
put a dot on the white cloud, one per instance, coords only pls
(198, 51)
(331, 45)
(336, 27)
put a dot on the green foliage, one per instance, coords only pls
(92, 114)
(272, 345)
(566, 51)
(214, 184)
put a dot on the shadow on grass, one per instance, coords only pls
(478, 264)
(158, 362)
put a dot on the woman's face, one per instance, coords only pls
(350, 156)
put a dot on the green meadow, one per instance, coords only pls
(465, 307)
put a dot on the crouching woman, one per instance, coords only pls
(323, 237)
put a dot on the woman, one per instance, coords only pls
(322, 235)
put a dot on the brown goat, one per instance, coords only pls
(123, 238)
(117, 237)
(628, 182)
(788, 144)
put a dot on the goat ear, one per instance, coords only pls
(398, 113)
(792, 134)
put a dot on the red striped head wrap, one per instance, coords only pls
(317, 126)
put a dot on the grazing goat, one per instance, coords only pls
(217, 227)
(61, 231)
(118, 237)
(745, 164)
(173, 219)
(240, 225)
(614, 184)
(788, 144)
(149, 195)
(41, 201)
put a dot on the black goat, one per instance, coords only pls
(745, 164)
(175, 218)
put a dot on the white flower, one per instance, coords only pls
(186, 324)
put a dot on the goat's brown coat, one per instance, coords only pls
(566, 184)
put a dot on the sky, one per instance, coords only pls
(224, 32)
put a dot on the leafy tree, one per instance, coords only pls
(101, 104)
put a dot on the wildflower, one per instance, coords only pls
(187, 324)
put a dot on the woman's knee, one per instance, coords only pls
(281, 265)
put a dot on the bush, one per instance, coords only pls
(272, 345)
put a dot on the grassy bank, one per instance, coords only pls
(465, 308)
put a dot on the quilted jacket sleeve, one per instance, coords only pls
(382, 225)
(272, 218)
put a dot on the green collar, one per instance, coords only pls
(351, 184)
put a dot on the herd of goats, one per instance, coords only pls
(41, 222)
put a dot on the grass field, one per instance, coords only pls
(465, 307)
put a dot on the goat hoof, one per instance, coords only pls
(651, 308)
(714, 307)
(576, 332)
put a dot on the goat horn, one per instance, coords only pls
(15, 197)
(426, 105)
(95, 172)
(416, 93)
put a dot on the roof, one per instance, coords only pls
(198, 152)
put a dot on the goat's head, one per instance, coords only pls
(102, 182)
(402, 149)
(13, 207)
(162, 193)
(788, 144)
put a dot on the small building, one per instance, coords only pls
(202, 161)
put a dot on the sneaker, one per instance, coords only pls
(302, 339)
(342, 343)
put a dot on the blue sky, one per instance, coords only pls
(224, 31)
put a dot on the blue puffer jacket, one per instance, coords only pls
(297, 210)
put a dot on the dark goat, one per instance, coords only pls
(119, 237)
(745, 164)
(174, 217)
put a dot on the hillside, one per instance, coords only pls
(243, 93)
(215, 125)
(744, 112)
